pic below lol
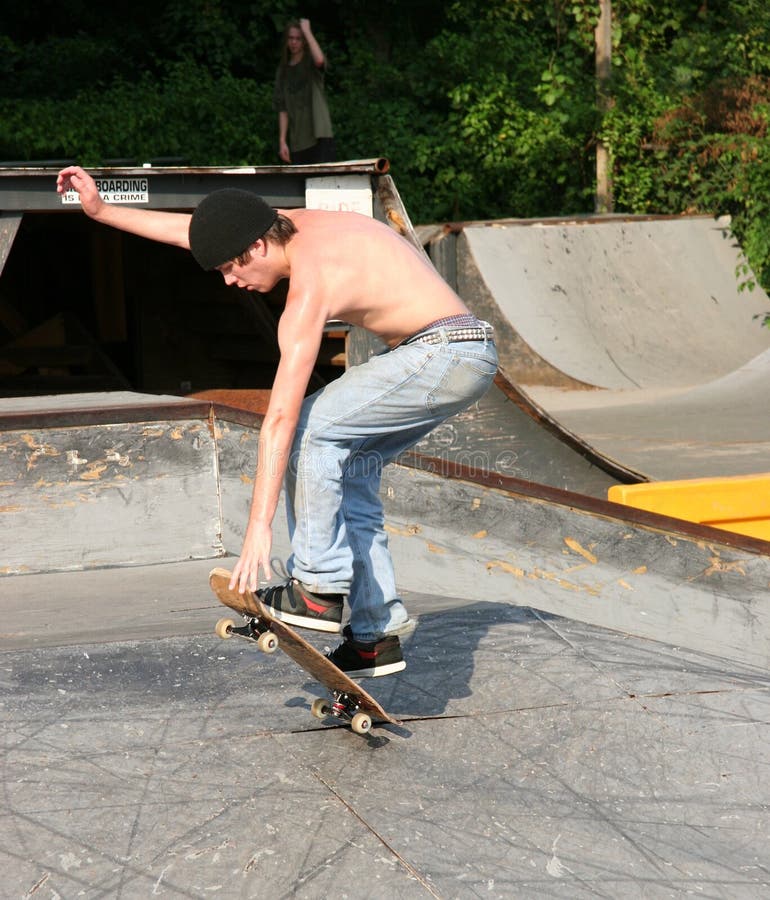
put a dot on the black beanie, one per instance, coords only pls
(225, 224)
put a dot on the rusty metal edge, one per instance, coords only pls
(583, 503)
(191, 409)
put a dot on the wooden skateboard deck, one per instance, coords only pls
(349, 702)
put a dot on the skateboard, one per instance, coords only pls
(349, 702)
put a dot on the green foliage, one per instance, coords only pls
(173, 115)
(485, 109)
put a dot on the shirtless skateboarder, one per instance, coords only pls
(328, 449)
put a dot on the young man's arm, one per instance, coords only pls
(299, 337)
(165, 227)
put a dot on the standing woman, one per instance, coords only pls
(304, 124)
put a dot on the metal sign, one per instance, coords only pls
(116, 190)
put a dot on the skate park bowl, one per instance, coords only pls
(584, 710)
(127, 480)
(585, 693)
(630, 336)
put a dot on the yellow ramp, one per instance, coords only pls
(740, 504)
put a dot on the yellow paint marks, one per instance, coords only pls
(506, 567)
(434, 548)
(176, 434)
(641, 570)
(5, 509)
(719, 566)
(53, 502)
(481, 534)
(624, 584)
(93, 472)
(38, 450)
(408, 531)
(543, 576)
(563, 583)
(246, 479)
(576, 547)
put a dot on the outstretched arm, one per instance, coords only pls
(166, 227)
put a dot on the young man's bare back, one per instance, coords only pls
(327, 450)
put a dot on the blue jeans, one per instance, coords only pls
(346, 433)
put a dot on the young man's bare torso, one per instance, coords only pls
(357, 270)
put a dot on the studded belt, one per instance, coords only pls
(481, 332)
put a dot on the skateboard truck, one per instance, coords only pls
(342, 705)
(253, 630)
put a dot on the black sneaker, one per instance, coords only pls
(360, 659)
(293, 603)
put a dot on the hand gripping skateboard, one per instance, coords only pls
(349, 701)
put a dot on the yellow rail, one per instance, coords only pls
(740, 504)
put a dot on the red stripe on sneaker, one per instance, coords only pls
(314, 607)
(367, 654)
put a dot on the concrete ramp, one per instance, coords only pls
(629, 337)
(717, 429)
(170, 483)
(508, 433)
(616, 304)
(118, 479)
(584, 708)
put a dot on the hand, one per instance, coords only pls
(304, 24)
(255, 554)
(283, 152)
(75, 178)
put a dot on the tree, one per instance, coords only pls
(486, 109)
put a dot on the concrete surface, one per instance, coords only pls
(538, 757)
(508, 433)
(584, 713)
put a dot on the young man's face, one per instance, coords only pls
(253, 274)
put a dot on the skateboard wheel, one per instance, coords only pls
(224, 628)
(267, 642)
(319, 708)
(361, 723)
